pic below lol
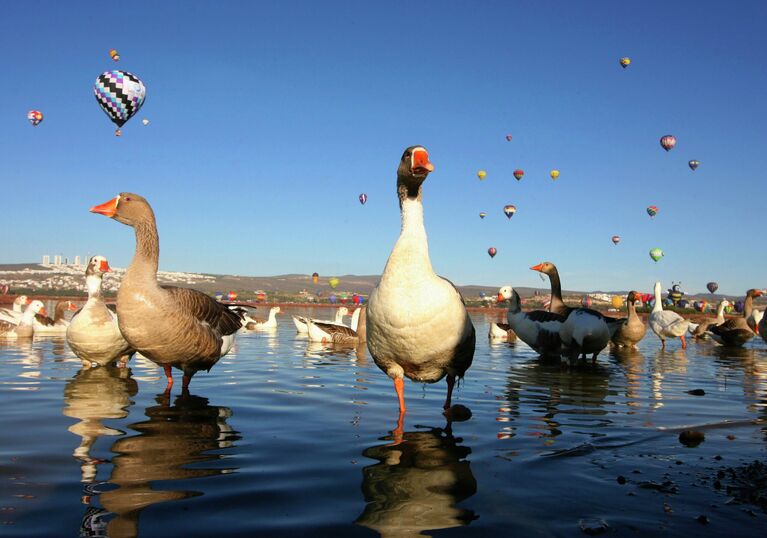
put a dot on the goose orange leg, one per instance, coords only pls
(684, 344)
(450, 385)
(169, 375)
(399, 386)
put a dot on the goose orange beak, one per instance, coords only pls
(72, 306)
(534, 267)
(43, 312)
(108, 209)
(27, 301)
(104, 266)
(501, 298)
(421, 164)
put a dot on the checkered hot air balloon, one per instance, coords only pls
(35, 117)
(120, 95)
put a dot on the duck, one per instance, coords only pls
(735, 332)
(665, 323)
(13, 315)
(699, 330)
(417, 323)
(629, 331)
(173, 327)
(339, 334)
(501, 331)
(259, 324)
(25, 327)
(301, 322)
(57, 325)
(584, 331)
(539, 329)
(94, 332)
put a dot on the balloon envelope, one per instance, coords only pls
(333, 282)
(656, 254)
(668, 142)
(712, 287)
(492, 251)
(616, 239)
(482, 214)
(509, 210)
(35, 117)
(363, 198)
(113, 54)
(508, 138)
(481, 175)
(693, 164)
(616, 301)
(119, 94)
(625, 62)
(315, 277)
(586, 301)
(518, 173)
(652, 210)
(145, 121)
(554, 174)
(232, 295)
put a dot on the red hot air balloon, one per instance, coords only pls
(518, 173)
(668, 142)
(232, 295)
(492, 251)
(508, 138)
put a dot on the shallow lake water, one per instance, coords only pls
(287, 438)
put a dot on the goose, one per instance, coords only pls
(498, 331)
(763, 328)
(339, 334)
(754, 319)
(25, 327)
(628, 331)
(171, 326)
(13, 315)
(417, 323)
(665, 323)
(735, 332)
(302, 327)
(699, 330)
(94, 333)
(57, 325)
(584, 330)
(259, 324)
(538, 329)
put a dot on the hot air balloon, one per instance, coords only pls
(586, 301)
(616, 239)
(356, 299)
(482, 214)
(363, 198)
(652, 210)
(508, 138)
(518, 173)
(625, 62)
(333, 299)
(712, 287)
(145, 121)
(656, 254)
(333, 282)
(481, 175)
(554, 174)
(35, 117)
(668, 142)
(113, 54)
(509, 210)
(616, 301)
(232, 295)
(315, 278)
(693, 164)
(120, 95)
(492, 251)
(218, 295)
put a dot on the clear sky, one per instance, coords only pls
(268, 119)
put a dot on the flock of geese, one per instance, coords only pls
(415, 324)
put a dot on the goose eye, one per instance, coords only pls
(127, 199)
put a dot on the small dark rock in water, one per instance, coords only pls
(666, 487)
(702, 520)
(593, 526)
(458, 413)
(621, 480)
(697, 392)
(748, 484)
(691, 438)
(731, 437)
(718, 457)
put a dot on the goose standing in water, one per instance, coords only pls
(501, 331)
(699, 331)
(538, 329)
(260, 324)
(173, 327)
(57, 325)
(628, 331)
(735, 332)
(417, 323)
(94, 334)
(25, 327)
(340, 334)
(665, 323)
(13, 315)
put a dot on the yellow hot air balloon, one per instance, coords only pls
(625, 62)
(481, 175)
(616, 301)
(554, 174)
(333, 282)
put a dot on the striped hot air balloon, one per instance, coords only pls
(693, 164)
(509, 210)
(668, 142)
(652, 210)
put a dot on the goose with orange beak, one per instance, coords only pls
(417, 323)
(25, 327)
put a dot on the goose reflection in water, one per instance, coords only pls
(417, 484)
(171, 445)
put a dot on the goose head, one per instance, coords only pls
(504, 294)
(97, 265)
(126, 207)
(547, 268)
(344, 311)
(633, 297)
(37, 307)
(754, 293)
(21, 300)
(413, 169)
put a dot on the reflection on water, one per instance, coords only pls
(417, 484)
(174, 437)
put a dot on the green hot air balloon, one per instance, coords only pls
(656, 254)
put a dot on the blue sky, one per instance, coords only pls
(269, 119)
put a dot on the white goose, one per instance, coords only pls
(339, 334)
(754, 319)
(667, 324)
(56, 325)
(24, 328)
(259, 324)
(699, 330)
(301, 322)
(501, 331)
(417, 323)
(13, 315)
(538, 329)
(94, 334)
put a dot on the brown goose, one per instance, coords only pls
(173, 327)
(735, 331)
(57, 325)
(628, 331)
(339, 334)
(699, 331)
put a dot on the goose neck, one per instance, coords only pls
(146, 258)
(93, 285)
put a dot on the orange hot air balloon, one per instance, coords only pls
(315, 278)
(113, 54)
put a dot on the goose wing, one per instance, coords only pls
(205, 308)
(332, 329)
